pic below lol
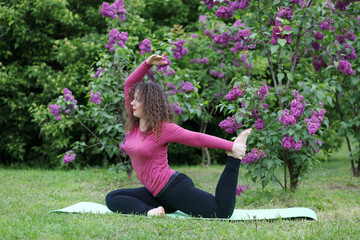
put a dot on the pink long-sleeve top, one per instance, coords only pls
(149, 155)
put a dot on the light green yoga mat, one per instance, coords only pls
(238, 215)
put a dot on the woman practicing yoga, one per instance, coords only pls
(151, 129)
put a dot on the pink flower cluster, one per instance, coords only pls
(253, 156)
(223, 39)
(297, 109)
(230, 125)
(228, 10)
(113, 10)
(235, 93)
(179, 50)
(289, 142)
(95, 97)
(210, 3)
(240, 189)
(204, 60)
(99, 70)
(216, 74)
(345, 67)
(145, 46)
(314, 121)
(115, 36)
(177, 109)
(69, 156)
(186, 87)
(326, 24)
(263, 92)
(55, 110)
(278, 33)
(259, 124)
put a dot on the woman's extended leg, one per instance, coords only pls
(131, 201)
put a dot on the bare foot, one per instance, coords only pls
(239, 148)
(156, 212)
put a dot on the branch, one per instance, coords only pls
(92, 133)
(271, 68)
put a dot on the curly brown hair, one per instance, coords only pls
(156, 107)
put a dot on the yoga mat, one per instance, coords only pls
(238, 215)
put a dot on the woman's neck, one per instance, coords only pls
(142, 125)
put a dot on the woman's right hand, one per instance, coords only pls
(157, 60)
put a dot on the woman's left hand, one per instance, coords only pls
(157, 60)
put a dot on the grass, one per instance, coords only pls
(28, 195)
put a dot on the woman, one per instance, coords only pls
(150, 118)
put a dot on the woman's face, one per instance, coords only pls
(137, 105)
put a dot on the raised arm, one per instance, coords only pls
(139, 74)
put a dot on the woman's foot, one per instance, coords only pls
(239, 148)
(156, 212)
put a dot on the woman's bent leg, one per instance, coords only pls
(131, 201)
(184, 196)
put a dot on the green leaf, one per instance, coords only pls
(289, 76)
(284, 99)
(355, 80)
(280, 76)
(282, 42)
(274, 48)
(276, 2)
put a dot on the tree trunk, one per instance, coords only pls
(294, 173)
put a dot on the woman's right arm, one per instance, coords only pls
(139, 74)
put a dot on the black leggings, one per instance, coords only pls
(181, 194)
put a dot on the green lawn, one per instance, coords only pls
(27, 196)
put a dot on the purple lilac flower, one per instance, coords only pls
(179, 50)
(230, 125)
(278, 34)
(297, 105)
(319, 36)
(314, 121)
(240, 189)
(235, 93)
(217, 74)
(210, 3)
(68, 96)
(108, 11)
(289, 142)
(55, 110)
(145, 46)
(95, 98)
(253, 156)
(352, 54)
(113, 10)
(262, 92)
(122, 146)
(194, 36)
(172, 88)
(244, 33)
(115, 36)
(341, 38)
(295, 1)
(150, 74)
(316, 46)
(340, 5)
(238, 23)
(259, 124)
(186, 87)
(223, 39)
(345, 67)
(177, 109)
(286, 118)
(218, 95)
(204, 60)
(326, 24)
(285, 13)
(69, 156)
(243, 4)
(351, 36)
(318, 63)
(224, 12)
(99, 70)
